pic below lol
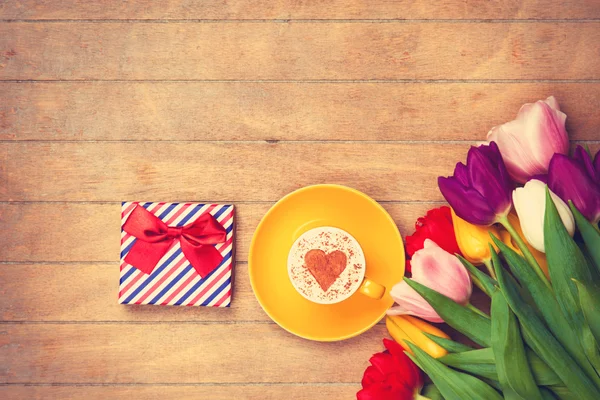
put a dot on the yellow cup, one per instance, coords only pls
(372, 289)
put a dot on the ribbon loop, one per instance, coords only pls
(174, 232)
(154, 238)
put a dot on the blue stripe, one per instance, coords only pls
(146, 205)
(152, 276)
(218, 291)
(127, 275)
(168, 210)
(228, 230)
(199, 283)
(171, 284)
(126, 249)
(221, 211)
(190, 215)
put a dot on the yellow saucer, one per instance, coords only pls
(311, 207)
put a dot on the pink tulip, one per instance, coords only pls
(439, 270)
(528, 143)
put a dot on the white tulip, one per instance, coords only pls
(530, 204)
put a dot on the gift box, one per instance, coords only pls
(176, 254)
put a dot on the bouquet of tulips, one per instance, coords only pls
(529, 213)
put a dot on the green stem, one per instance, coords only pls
(490, 268)
(477, 283)
(525, 250)
(477, 310)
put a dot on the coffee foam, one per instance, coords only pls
(327, 239)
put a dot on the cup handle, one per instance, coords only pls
(372, 289)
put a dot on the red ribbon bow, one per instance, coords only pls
(197, 241)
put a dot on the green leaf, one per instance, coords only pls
(483, 281)
(453, 385)
(547, 394)
(513, 369)
(589, 299)
(431, 392)
(542, 342)
(565, 263)
(479, 362)
(590, 235)
(469, 323)
(546, 303)
(482, 363)
(563, 393)
(447, 344)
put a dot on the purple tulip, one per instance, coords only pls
(479, 192)
(577, 179)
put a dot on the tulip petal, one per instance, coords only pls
(371, 375)
(442, 272)
(552, 102)
(382, 362)
(545, 133)
(466, 202)
(462, 174)
(411, 303)
(519, 162)
(597, 166)
(583, 158)
(485, 173)
(570, 181)
(411, 375)
(528, 143)
(374, 393)
(530, 204)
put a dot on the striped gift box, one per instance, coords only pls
(174, 281)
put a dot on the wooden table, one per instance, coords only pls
(229, 101)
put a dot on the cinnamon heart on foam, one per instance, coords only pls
(325, 268)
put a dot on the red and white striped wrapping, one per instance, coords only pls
(174, 281)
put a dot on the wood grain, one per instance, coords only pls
(299, 51)
(182, 392)
(61, 232)
(292, 9)
(226, 171)
(177, 353)
(88, 292)
(146, 111)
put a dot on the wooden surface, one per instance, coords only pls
(242, 102)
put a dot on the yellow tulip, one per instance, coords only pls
(474, 240)
(509, 241)
(405, 328)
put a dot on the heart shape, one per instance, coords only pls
(325, 268)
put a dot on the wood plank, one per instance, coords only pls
(291, 9)
(69, 232)
(143, 171)
(161, 392)
(88, 292)
(182, 353)
(299, 51)
(280, 111)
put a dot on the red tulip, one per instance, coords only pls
(391, 376)
(437, 226)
